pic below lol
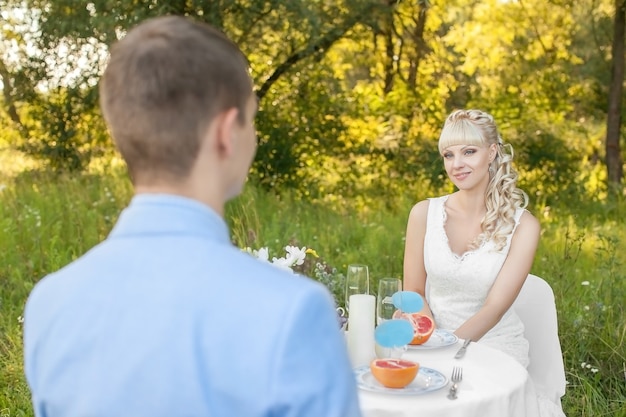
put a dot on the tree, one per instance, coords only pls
(71, 40)
(353, 93)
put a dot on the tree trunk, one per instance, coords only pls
(421, 48)
(389, 57)
(613, 153)
(8, 94)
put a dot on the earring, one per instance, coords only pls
(492, 170)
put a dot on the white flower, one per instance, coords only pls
(282, 263)
(294, 256)
(262, 254)
(585, 283)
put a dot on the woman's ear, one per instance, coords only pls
(493, 151)
(225, 130)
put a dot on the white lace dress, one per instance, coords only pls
(457, 286)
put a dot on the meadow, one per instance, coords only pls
(47, 220)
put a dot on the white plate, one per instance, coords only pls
(427, 380)
(440, 338)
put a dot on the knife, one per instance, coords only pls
(461, 351)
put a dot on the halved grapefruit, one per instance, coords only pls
(394, 373)
(423, 326)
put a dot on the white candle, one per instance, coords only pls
(361, 323)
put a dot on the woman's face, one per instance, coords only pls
(467, 166)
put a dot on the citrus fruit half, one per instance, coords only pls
(423, 326)
(394, 373)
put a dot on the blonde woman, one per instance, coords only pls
(468, 253)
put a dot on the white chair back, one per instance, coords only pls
(536, 308)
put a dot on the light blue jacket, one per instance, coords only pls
(167, 318)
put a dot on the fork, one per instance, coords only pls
(457, 376)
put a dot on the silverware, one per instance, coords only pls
(457, 376)
(461, 351)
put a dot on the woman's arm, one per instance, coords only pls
(414, 269)
(509, 281)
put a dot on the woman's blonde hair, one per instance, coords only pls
(502, 198)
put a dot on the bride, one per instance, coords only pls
(469, 253)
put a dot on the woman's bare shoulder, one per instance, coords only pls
(528, 218)
(528, 224)
(420, 210)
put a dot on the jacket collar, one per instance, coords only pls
(159, 214)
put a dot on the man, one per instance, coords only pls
(166, 317)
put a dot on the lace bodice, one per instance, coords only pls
(457, 285)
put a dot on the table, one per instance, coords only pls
(493, 385)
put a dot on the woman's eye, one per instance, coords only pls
(447, 155)
(470, 151)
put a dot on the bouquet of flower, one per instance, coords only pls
(294, 256)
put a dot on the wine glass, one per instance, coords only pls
(387, 287)
(391, 335)
(357, 282)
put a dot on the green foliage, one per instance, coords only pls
(65, 129)
(353, 92)
(585, 267)
(289, 154)
(45, 222)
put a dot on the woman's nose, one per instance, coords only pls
(457, 161)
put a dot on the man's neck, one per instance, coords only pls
(183, 190)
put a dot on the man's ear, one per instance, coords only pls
(226, 123)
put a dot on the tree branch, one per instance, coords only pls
(318, 46)
(546, 50)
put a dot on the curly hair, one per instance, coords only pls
(502, 197)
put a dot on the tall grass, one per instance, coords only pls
(46, 221)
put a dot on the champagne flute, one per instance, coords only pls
(357, 282)
(387, 287)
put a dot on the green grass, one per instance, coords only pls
(46, 221)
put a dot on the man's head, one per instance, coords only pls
(168, 80)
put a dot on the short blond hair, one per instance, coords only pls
(165, 82)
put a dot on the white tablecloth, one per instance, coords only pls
(493, 385)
